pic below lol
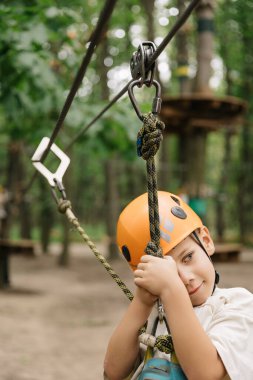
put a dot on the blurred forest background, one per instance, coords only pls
(42, 43)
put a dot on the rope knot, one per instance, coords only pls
(164, 344)
(150, 136)
(63, 205)
(153, 249)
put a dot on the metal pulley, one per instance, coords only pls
(140, 62)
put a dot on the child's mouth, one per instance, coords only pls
(195, 290)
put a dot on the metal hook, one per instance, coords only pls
(157, 101)
(61, 189)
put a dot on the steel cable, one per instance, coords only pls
(181, 20)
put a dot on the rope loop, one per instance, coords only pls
(153, 249)
(63, 205)
(150, 136)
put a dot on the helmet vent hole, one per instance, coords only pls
(126, 253)
(178, 212)
(175, 199)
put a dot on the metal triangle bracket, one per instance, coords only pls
(56, 177)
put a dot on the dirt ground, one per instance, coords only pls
(55, 323)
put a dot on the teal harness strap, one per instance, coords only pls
(160, 368)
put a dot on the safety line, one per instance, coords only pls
(82, 131)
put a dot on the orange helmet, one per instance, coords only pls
(177, 221)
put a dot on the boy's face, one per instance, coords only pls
(195, 268)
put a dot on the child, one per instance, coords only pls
(211, 328)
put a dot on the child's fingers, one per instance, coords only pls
(138, 273)
(149, 258)
(169, 258)
(138, 281)
(145, 258)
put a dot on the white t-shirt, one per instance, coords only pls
(227, 318)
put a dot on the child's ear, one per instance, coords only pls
(206, 240)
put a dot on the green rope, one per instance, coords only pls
(164, 344)
(148, 143)
(64, 206)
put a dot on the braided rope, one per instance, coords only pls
(64, 206)
(148, 143)
(162, 342)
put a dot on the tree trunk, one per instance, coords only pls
(46, 215)
(9, 194)
(183, 54)
(205, 22)
(23, 199)
(222, 189)
(245, 188)
(64, 256)
(184, 140)
(164, 165)
(111, 189)
(196, 164)
(197, 148)
(245, 175)
(13, 150)
(223, 182)
(111, 205)
(149, 6)
(149, 9)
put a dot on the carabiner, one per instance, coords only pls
(157, 101)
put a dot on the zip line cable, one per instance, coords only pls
(94, 39)
(104, 17)
(178, 24)
(82, 131)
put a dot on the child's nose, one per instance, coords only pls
(186, 276)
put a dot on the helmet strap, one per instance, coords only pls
(217, 276)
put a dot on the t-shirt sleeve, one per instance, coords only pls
(231, 331)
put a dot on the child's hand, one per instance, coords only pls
(145, 297)
(157, 275)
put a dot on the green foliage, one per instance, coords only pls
(234, 17)
(42, 43)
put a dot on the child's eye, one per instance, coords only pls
(188, 257)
